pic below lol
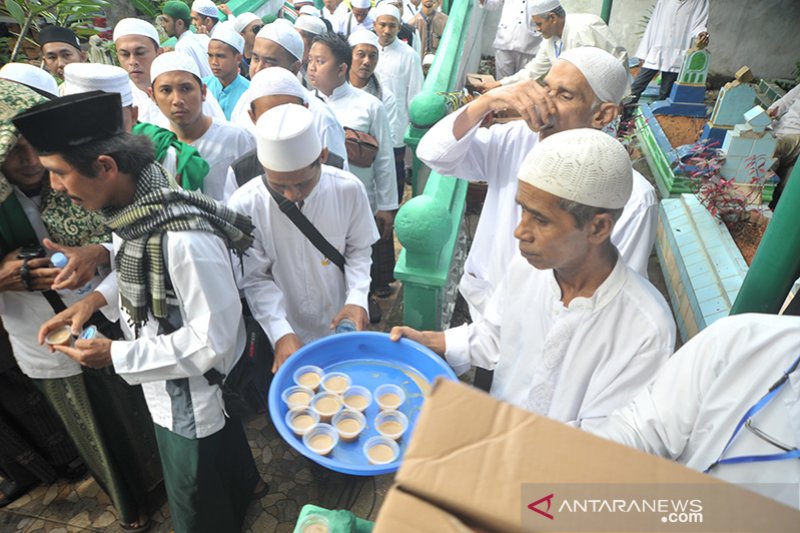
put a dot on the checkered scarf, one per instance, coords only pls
(159, 206)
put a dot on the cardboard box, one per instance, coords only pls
(478, 79)
(473, 458)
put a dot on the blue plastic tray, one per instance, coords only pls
(371, 359)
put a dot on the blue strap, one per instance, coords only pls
(759, 405)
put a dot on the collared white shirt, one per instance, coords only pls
(580, 29)
(400, 71)
(575, 364)
(669, 33)
(688, 412)
(513, 31)
(386, 96)
(193, 45)
(220, 146)
(358, 110)
(170, 367)
(289, 285)
(788, 107)
(494, 155)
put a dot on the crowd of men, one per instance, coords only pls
(181, 186)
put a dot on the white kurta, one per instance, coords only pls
(347, 24)
(580, 29)
(494, 155)
(192, 45)
(513, 31)
(289, 285)
(788, 113)
(338, 14)
(24, 312)
(575, 364)
(672, 26)
(386, 96)
(410, 10)
(220, 146)
(359, 110)
(170, 367)
(400, 71)
(331, 133)
(689, 411)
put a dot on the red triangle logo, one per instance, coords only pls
(544, 513)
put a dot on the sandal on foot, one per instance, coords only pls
(143, 524)
(261, 490)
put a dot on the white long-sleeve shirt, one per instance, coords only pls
(788, 107)
(386, 96)
(513, 31)
(359, 110)
(347, 24)
(690, 409)
(289, 285)
(580, 29)
(400, 71)
(196, 47)
(494, 155)
(576, 364)
(672, 26)
(220, 146)
(170, 367)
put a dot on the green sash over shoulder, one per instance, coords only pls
(191, 168)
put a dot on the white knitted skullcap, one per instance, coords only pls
(428, 59)
(386, 9)
(205, 7)
(582, 165)
(133, 26)
(275, 81)
(310, 10)
(363, 37)
(282, 32)
(31, 76)
(286, 138)
(172, 61)
(225, 32)
(605, 74)
(86, 77)
(311, 24)
(540, 7)
(361, 4)
(243, 20)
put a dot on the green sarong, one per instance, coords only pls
(209, 481)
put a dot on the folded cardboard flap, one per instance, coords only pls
(474, 79)
(402, 512)
(470, 454)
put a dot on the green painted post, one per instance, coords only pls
(605, 11)
(776, 264)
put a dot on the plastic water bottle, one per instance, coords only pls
(345, 326)
(59, 260)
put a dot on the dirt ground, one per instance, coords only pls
(747, 237)
(681, 130)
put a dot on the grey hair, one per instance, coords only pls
(583, 213)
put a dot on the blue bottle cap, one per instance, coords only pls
(88, 333)
(59, 260)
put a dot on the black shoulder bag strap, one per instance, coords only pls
(306, 227)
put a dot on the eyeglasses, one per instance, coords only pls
(767, 438)
(257, 29)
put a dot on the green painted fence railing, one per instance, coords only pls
(429, 225)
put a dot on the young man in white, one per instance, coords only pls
(572, 332)
(583, 90)
(179, 93)
(295, 292)
(176, 20)
(224, 57)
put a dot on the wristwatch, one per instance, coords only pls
(25, 275)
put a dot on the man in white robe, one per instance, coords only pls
(176, 20)
(586, 85)
(334, 10)
(562, 32)
(572, 332)
(515, 43)
(295, 292)
(786, 124)
(359, 18)
(179, 92)
(672, 26)
(690, 410)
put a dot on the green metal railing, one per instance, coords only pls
(428, 225)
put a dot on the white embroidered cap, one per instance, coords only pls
(286, 139)
(225, 32)
(86, 77)
(363, 37)
(311, 24)
(275, 81)
(205, 7)
(31, 76)
(386, 9)
(540, 7)
(582, 165)
(361, 4)
(605, 74)
(134, 26)
(282, 32)
(172, 61)
(243, 20)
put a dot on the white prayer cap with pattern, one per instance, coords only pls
(205, 7)
(170, 62)
(311, 24)
(86, 77)
(540, 7)
(363, 37)
(582, 165)
(282, 32)
(604, 72)
(243, 20)
(386, 9)
(226, 33)
(361, 4)
(286, 139)
(275, 81)
(134, 26)
(31, 76)
(310, 10)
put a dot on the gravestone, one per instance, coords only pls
(734, 100)
(749, 148)
(688, 94)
